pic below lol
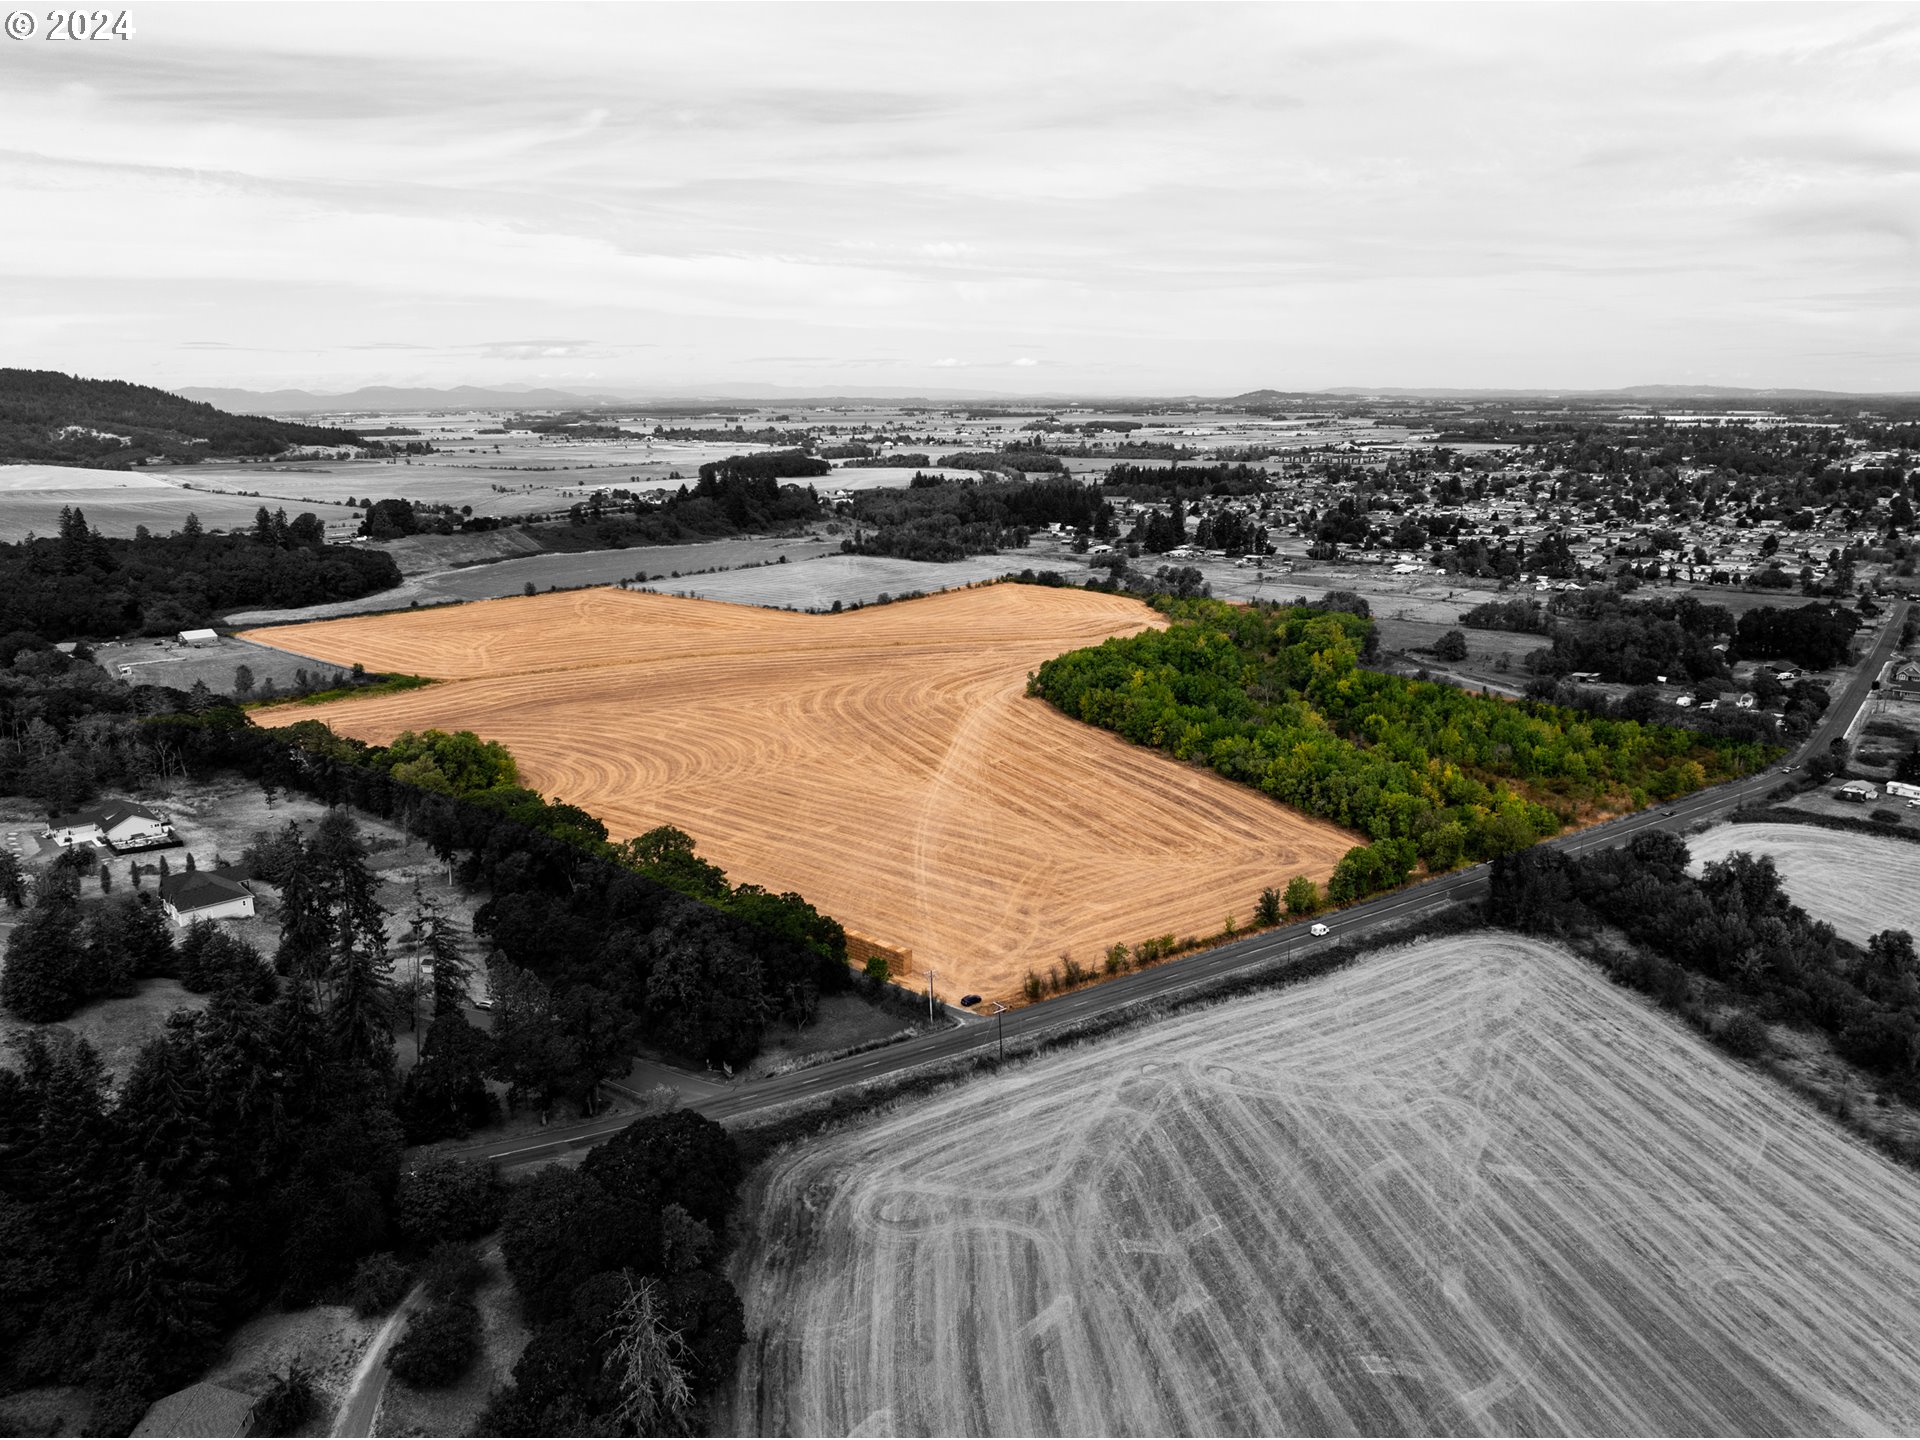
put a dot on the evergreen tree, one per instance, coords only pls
(45, 958)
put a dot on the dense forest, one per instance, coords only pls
(1276, 698)
(254, 1151)
(1732, 928)
(82, 584)
(51, 418)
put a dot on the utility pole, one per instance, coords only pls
(1000, 1029)
(931, 974)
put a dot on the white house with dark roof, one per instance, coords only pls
(117, 823)
(205, 895)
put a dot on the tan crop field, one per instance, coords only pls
(885, 763)
(1466, 1187)
(1859, 884)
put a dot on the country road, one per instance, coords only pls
(1175, 976)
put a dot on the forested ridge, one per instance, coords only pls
(1277, 698)
(51, 418)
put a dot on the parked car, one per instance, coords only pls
(969, 1000)
(1318, 929)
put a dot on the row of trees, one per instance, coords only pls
(1734, 927)
(1275, 698)
(945, 521)
(83, 583)
(639, 941)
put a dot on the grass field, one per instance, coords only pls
(886, 764)
(590, 567)
(116, 501)
(1859, 884)
(851, 579)
(1467, 1187)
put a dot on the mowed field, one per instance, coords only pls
(1467, 1187)
(1859, 884)
(886, 764)
(115, 502)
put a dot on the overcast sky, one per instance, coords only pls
(1075, 198)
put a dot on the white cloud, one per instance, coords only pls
(1439, 194)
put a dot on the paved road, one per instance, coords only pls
(1176, 976)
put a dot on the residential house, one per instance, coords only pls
(119, 824)
(207, 1408)
(206, 895)
(1901, 678)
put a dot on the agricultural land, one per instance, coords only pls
(1467, 1187)
(1859, 884)
(884, 763)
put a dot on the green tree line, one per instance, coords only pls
(1276, 697)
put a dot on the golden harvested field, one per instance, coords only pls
(1467, 1187)
(884, 763)
(1859, 884)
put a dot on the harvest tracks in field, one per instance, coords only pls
(1859, 884)
(1465, 1188)
(886, 764)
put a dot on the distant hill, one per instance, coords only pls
(51, 418)
(398, 398)
(1630, 392)
(413, 399)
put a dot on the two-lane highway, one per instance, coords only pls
(1175, 977)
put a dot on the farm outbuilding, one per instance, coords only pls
(199, 637)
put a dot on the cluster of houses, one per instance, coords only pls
(126, 829)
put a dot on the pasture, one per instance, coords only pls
(556, 571)
(1465, 1188)
(886, 764)
(814, 584)
(115, 502)
(1859, 884)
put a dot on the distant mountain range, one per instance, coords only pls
(1630, 392)
(410, 399)
(413, 399)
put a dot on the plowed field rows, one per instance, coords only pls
(1466, 1188)
(885, 763)
(1859, 884)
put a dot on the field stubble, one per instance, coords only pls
(887, 764)
(1859, 884)
(1467, 1188)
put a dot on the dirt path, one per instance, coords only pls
(361, 1406)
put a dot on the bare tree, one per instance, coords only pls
(649, 1362)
